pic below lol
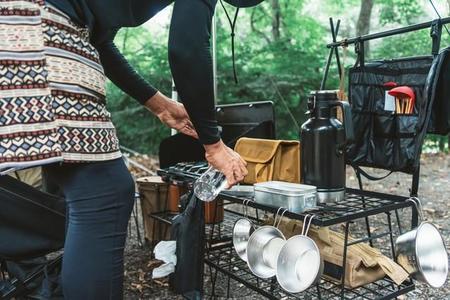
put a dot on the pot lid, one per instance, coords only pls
(285, 188)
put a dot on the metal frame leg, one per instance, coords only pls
(366, 219)
(344, 260)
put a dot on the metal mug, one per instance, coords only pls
(263, 248)
(242, 230)
(299, 264)
(214, 212)
(422, 252)
(176, 190)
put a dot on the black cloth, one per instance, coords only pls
(438, 91)
(188, 229)
(189, 50)
(31, 222)
(31, 226)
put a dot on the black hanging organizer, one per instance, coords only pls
(384, 140)
(354, 213)
(400, 137)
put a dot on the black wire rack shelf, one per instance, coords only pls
(224, 259)
(357, 204)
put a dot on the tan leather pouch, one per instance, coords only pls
(269, 160)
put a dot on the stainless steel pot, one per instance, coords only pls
(299, 263)
(242, 230)
(423, 254)
(263, 248)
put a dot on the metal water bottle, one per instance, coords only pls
(324, 139)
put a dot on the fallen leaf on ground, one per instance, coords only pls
(154, 263)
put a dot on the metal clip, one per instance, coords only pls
(435, 34)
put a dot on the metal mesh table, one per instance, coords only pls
(357, 209)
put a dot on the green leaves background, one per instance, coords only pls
(280, 56)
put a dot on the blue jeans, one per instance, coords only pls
(99, 199)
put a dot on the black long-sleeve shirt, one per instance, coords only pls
(189, 50)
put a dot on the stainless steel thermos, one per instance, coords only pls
(324, 139)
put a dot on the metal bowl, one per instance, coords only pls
(262, 251)
(299, 264)
(423, 254)
(242, 230)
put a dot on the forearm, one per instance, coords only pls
(191, 64)
(157, 103)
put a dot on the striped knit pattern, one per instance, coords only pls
(52, 90)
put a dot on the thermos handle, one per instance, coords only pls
(348, 121)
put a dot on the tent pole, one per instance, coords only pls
(174, 97)
(214, 54)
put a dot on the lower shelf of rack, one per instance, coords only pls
(224, 259)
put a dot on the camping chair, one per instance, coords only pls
(32, 225)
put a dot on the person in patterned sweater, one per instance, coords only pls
(55, 57)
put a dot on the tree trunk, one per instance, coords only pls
(125, 40)
(276, 16)
(254, 29)
(449, 133)
(441, 144)
(363, 23)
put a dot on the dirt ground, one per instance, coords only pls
(434, 192)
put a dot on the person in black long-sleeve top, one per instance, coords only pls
(93, 260)
(190, 62)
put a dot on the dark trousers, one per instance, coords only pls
(99, 198)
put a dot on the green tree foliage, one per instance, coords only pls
(280, 56)
(400, 11)
(282, 68)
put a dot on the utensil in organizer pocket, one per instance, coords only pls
(208, 186)
(405, 99)
(422, 252)
(296, 197)
(263, 248)
(242, 230)
(299, 263)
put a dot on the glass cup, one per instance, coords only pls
(209, 185)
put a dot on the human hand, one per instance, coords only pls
(226, 161)
(172, 114)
